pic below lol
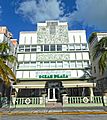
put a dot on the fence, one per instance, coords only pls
(84, 101)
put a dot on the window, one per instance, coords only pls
(59, 64)
(38, 64)
(84, 46)
(72, 56)
(79, 64)
(86, 56)
(65, 64)
(52, 29)
(41, 47)
(77, 46)
(71, 47)
(53, 64)
(59, 47)
(85, 63)
(33, 48)
(21, 48)
(27, 48)
(26, 64)
(46, 47)
(72, 64)
(78, 56)
(46, 65)
(64, 47)
(52, 47)
(20, 65)
(33, 65)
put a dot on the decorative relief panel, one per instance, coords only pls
(60, 36)
(53, 56)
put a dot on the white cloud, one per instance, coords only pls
(41, 11)
(91, 13)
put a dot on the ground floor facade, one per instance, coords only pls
(54, 90)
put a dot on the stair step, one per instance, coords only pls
(53, 104)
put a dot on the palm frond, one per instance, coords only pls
(4, 47)
(103, 62)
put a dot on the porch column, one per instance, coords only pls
(54, 93)
(48, 93)
(91, 92)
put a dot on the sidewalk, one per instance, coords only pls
(51, 111)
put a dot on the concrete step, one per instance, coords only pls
(54, 104)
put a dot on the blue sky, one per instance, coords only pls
(22, 15)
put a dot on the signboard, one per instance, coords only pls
(54, 76)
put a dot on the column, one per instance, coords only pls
(91, 94)
(48, 93)
(54, 93)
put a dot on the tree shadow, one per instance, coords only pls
(52, 119)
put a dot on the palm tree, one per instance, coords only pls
(6, 74)
(5, 70)
(100, 52)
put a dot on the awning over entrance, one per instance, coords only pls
(71, 84)
(37, 84)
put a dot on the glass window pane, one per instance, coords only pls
(46, 47)
(84, 46)
(59, 47)
(78, 56)
(66, 64)
(33, 48)
(33, 65)
(71, 47)
(85, 63)
(21, 48)
(72, 64)
(53, 64)
(52, 47)
(86, 56)
(20, 65)
(46, 65)
(27, 48)
(26, 64)
(59, 64)
(77, 46)
(79, 64)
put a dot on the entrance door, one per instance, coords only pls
(52, 94)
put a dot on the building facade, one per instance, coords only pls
(52, 61)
